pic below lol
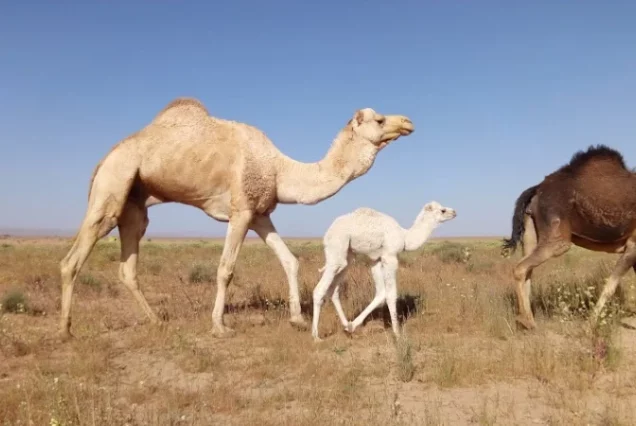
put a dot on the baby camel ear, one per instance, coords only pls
(428, 208)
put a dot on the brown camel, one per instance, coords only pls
(589, 202)
(232, 172)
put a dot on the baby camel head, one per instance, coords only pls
(437, 212)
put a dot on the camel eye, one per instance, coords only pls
(443, 211)
(380, 121)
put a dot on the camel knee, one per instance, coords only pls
(520, 273)
(224, 274)
(67, 272)
(319, 296)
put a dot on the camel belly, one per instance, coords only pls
(608, 247)
(368, 244)
(602, 233)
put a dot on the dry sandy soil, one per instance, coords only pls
(463, 360)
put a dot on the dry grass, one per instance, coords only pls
(461, 361)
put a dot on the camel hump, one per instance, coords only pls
(182, 111)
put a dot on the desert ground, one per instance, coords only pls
(462, 359)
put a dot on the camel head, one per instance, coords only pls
(437, 212)
(379, 130)
(369, 132)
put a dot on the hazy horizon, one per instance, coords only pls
(52, 232)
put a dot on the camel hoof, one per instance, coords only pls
(349, 328)
(223, 332)
(527, 323)
(65, 336)
(299, 323)
(317, 339)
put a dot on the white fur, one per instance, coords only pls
(381, 238)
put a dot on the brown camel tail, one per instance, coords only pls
(510, 244)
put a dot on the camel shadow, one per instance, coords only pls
(265, 304)
(406, 306)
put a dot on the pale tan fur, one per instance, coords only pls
(231, 171)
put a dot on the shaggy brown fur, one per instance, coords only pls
(589, 202)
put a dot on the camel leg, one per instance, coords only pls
(132, 227)
(378, 274)
(236, 231)
(390, 267)
(96, 224)
(265, 229)
(333, 268)
(320, 291)
(555, 245)
(335, 298)
(626, 261)
(529, 244)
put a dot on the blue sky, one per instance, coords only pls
(501, 94)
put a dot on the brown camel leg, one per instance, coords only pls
(132, 227)
(265, 229)
(529, 245)
(236, 231)
(95, 226)
(554, 246)
(626, 261)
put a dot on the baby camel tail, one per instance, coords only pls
(381, 238)
(589, 202)
(229, 170)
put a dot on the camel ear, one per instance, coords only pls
(359, 117)
(428, 208)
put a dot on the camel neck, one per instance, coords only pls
(310, 183)
(416, 235)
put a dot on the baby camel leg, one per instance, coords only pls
(334, 266)
(378, 274)
(335, 297)
(390, 267)
(626, 261)
(132, 227)
(236, 231)
(553, 246)
(265, 229)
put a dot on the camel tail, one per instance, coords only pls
(518, 227)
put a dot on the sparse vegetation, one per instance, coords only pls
(451, 252)
(14, 302)
(91, 281)
(464, 359)
(403, 348)
(201, 273)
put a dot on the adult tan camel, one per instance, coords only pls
(232, 172)
(589, 202)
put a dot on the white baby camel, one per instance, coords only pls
(381, 238)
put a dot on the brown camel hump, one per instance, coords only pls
(182, 111)
(599, 154)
